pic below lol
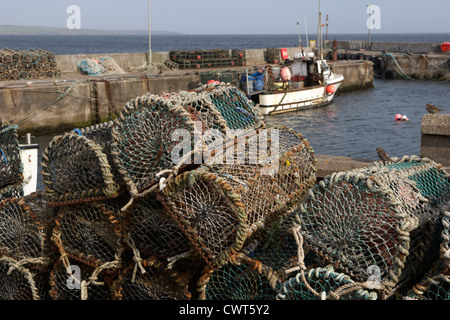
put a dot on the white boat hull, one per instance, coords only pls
(310, 97)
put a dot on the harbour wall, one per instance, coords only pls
(379, 46)
(409, 60)
(75, 103)
(75, 100)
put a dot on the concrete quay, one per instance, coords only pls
(435, 138)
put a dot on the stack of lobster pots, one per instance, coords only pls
(202, 59)
(27, 64)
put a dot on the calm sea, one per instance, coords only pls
(92, 44)
(354, 125)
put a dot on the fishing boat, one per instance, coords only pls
(306, 81)
(301, 83)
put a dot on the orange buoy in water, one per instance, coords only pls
(331, 89)
(398, 117)
(445, 46)
(286, 74)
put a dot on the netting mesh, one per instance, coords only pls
(70, 284)
(153, 231)
(11, 168)
(20, 283)
(220, 205)
(91, 233)
(144, 143)
(241, 279)
(157, 283)
(435, 284)
(234, 107)
(326, 280)
(378, 217)
(80, 160)
(21, 233)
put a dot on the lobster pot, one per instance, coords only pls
(79, 160)
(91, 233)
(153, 231)
(316, 282)
(11, 168)
(101, 134)
(160, 134)
(235, 108)
(276, 247)
(157, 283)
(69, 283)
(143, 141)
(222, 204)
(16, 64)
(22, 232)
(377, 218)
(21, 283)
(241, 279)
(435, 284)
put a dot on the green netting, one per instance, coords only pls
(434, 185)
(238, 111)
(323, 283)
(376, 217)
(241, 279)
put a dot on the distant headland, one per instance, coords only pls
(38, 30)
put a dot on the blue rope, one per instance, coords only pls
(77, 131)
(4, 156)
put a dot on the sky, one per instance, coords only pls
(233, 16)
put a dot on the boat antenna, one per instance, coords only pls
(306, 33)
(299, 37)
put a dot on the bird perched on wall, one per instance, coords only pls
(433, 109)
(383, 155)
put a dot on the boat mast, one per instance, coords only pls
(299, 37)
(319, 34)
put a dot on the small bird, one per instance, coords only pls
(383, 155)
(433, 109)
